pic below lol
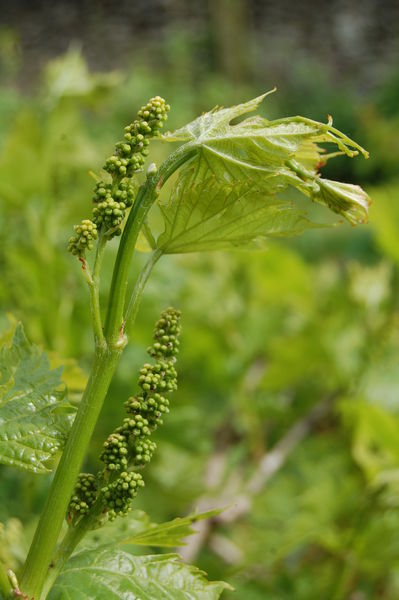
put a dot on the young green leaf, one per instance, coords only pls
(170, 534)
(110, 573)
(136, 529)
(255, 145)
(352, 201)
(227, 195)
(212, 121)
(34, 414)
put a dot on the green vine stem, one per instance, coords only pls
(105, 362)
(75, 533)
(94, 287)
(114, 323)
(50, 523)
(68, 544)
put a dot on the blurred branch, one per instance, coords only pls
(275, 459)
(240, 503)
(222, 546)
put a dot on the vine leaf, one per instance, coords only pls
(138, 530)
(35, 416)
(203, 215)
(113, 573)
(229, 194)
(170, 534)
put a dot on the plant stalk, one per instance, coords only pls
(108, 350)
(68, 544)
(50, 523)
(39, 568)
(75, 533)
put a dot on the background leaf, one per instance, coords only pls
(34, 414)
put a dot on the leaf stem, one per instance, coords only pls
(145, 199)
(300, 170)
(93, 281)
(138, 289)
(339, 138)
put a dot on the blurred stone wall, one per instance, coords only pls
(237, 37)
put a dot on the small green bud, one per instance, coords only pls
(85, 495)
(85, 233)
(115, 450)
(118, 495)
(151, 169)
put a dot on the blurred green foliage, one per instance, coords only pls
(266, 337)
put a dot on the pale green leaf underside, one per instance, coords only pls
(204, 215)
(111, 574)
(228, 194)
(34, 415)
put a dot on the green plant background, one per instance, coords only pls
(267, 336)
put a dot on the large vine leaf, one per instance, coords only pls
(229, 193)
(111, 574)
(35, 416)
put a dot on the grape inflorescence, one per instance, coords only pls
(129, 447)
(114, 194)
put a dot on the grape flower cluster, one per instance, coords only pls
(130, 447)
(115, 192)
(85, 494)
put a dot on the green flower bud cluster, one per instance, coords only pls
(112, 198)
(136, 426)
(129, 447)
(166, 336)
(144, 449)
(131, 153)
(110, 206)
(115, 452)
(84, 496)
(158, 377)
(131, 441)
(86, 233)
(119, 494)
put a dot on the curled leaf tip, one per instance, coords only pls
(347, 199)
(274, 89)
